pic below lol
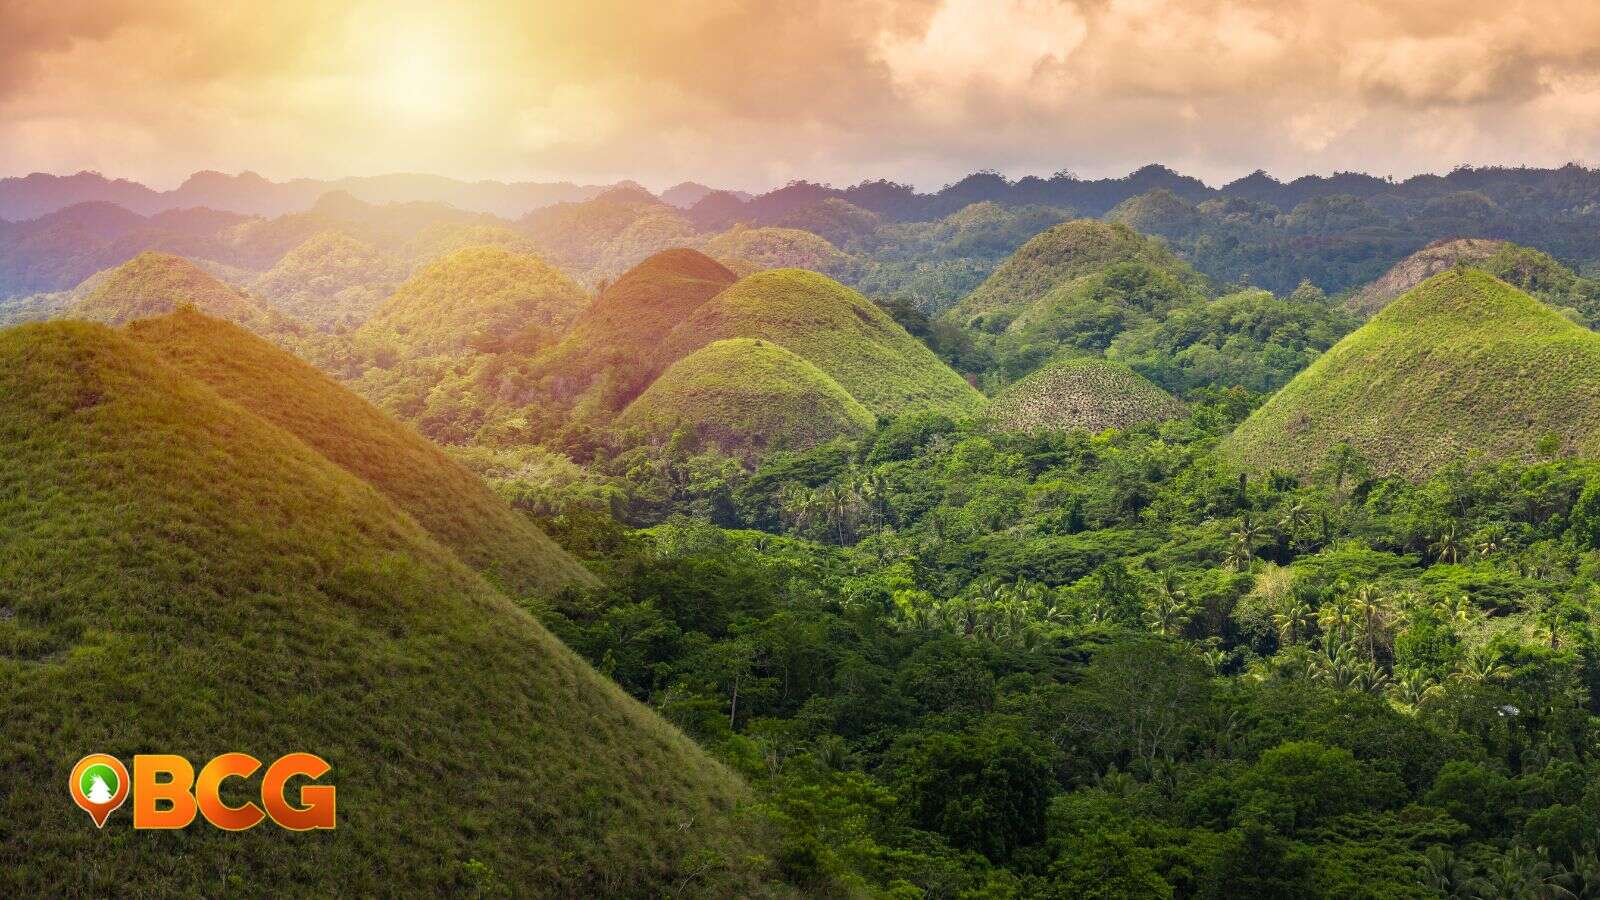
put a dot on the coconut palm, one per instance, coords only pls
(1480, 666)
(1447, 549)
(1413, 688)
(1292, 620)
(1295, 520)
(1170, 609)
(1242, 547)
(1372, 611)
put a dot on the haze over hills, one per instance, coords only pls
(1463, 364)
(154, 284)
(248, 593)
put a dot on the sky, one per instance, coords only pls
(754, 93)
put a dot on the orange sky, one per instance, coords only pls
(750, 94)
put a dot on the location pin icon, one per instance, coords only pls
(99, 785)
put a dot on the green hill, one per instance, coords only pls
(745, 394)
(1088, 393)
(776, 248)
(1462, 363)
(330, 280)
(154, 284)
(835, 329)
(479, 298)
(611, 341)
(446, 499)
(181, 576)
(1419, 267)
(1050, 261)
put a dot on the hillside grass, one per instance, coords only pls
(332, 280)
(177, 575)
(610, 343)
(154, 284)
(1052, 258)
(456, 507)
(1463, 364)
(478, 298)
(835, 329)
(748, 395)
(1088, 393)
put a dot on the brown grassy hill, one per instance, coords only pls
(609, 344)
(446, 499)
(180, 575)
(1089, 393)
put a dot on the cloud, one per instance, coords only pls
(745, 92)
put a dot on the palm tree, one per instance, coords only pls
(1372, 612)
(1446, 873)
(1295, 520)
(1489, 543)
(1292, 620)
(1448, 547)
(1459, 610)
(1170, 609)
(839, 505)
(1337, 618)
(1482, 665)
(1413, 688)
(798, 506)
(1243, 545)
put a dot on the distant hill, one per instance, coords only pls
(748, 395)
(1050, 261)
(613, 340)
(330, 280)
(181, 575)
(447, 500)
(1462, 363)
(40, 194)
(154, 284)
(604, 236)
(1419, 267)
(835, 329)
(480, 298)
(1090, 393)
(776, 248)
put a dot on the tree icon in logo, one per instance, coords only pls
(99, 785)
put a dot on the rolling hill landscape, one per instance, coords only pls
(201, 580)
(783, 455)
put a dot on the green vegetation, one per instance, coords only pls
(1463, 364)
(1087, 393)
(182, 576)
(835, 329)
(451, 503)
(331, 281)
(1050, 262)
(747, 395)
(1419, 267)
(777, 248)
(154, 284)
(480, 299)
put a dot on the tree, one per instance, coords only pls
(1137, 697)
(984, 789)
(1170, 608)
(1293, 619)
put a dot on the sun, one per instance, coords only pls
(418, 77)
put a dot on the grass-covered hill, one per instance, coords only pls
(331, 280)
(1087, 393)
(181, 576)
(1462, 363)
(451, 503)
(613, 338)
(746, 394)
(1051, 260)
(1419, 267)
(154, 284)
(835, 329)
(742, 247)
(479, 298)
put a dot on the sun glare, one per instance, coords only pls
(417, 79)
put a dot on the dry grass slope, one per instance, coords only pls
(446, 499)
(1091, 394)
(179, 575)
(154, 284)
(1464, 364)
